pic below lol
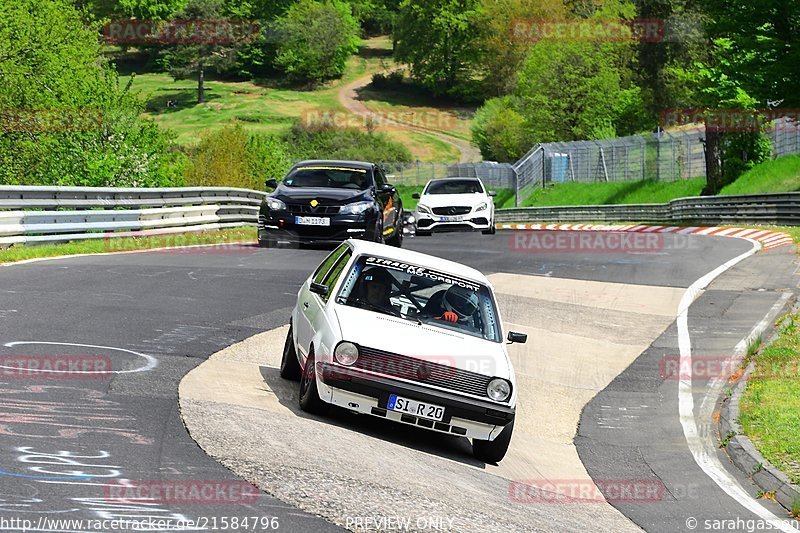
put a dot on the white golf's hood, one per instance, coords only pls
(448, 200)
(427, 342)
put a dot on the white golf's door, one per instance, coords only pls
(310, 303)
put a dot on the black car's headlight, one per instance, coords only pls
(355, 208)
(276, 205)
(498, 389)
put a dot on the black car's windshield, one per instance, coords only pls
(328, 177)
(454, 187)
(422, 295)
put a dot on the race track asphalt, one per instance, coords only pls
(64, 439)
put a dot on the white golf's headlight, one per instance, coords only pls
(346, 353)
(424, 209)
(482, 207)
(355, 209)
(499, 389)
(275, 204)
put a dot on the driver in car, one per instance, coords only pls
(376, 286)
(457, 305)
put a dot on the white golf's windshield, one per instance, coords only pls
(421, 294)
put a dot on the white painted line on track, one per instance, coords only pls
(702, 447)
(152, 362)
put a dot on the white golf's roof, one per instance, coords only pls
(418, 259)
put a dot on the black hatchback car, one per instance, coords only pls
(330, 201)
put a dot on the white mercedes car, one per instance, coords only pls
(407, 337)
(454, 204)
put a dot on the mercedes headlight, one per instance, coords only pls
(276, 205)
(346, 353)
(355, 209)
(424, 209)
(482, 207)
(499, 390)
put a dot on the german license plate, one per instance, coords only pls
(451, 219)
(312, 221)
(413, 407)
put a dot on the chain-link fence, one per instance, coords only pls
(662, 156)
(785, 137)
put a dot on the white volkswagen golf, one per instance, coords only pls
(452, 204)
(408, 337)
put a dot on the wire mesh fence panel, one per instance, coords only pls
(785, 137)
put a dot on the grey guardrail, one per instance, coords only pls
(54, 214)
(777, 209)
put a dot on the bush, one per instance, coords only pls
(328, 142)
(741, 152)
(499, 131)
(231, 158)
(392, 80)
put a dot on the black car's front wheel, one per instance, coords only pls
(396, 240)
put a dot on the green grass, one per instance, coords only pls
(270, 106)
(504, 198)
(779, 175)
(124, 244)
(770, 406)
(640, 192)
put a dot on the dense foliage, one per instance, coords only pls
(66, 118)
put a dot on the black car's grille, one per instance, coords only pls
(422, 371)
(450, 211)
(307, 209)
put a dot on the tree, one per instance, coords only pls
(503, 51)
(193, 57)
(315, 39)
(440, 40)
(64, 119)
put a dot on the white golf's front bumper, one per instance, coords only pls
(473, 419)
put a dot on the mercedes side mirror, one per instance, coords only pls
(319, 288)
(513, 337)
(415, 196)
(492, 193)
(271, 183)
